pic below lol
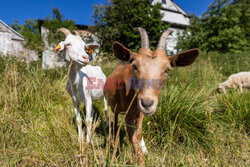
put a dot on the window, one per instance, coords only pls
(164, 2)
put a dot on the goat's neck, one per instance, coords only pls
(74, 73)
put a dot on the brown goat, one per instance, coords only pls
(143, 79)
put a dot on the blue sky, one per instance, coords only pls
(77, 10)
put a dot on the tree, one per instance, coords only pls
(244, 6)
(32, 35)
(30, 31)
(116, 20)
(222, 28)
(54, 23)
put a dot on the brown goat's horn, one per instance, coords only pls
(63, 30)
(76, 32)
(163, 39)
(144, 37)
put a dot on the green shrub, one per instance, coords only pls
(224, 27)
(115, 22)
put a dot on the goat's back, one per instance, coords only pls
(243, 77)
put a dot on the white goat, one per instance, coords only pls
(80, 75)
(240, 80)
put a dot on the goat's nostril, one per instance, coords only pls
(85, 57)
(147, 103)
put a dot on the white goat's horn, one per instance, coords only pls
(163, 39)
(63, 30)
(75, 32)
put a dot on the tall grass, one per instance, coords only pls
(193, 126)
(181, 117)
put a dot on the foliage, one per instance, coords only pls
(54, 23)
(116, 20)
(223, 27)
(30, 31)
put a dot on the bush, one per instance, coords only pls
(30, 30)
(31, 34)
(116, 20)
(224, 27)
(54, 23)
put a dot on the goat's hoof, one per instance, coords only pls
(88, 141)
(144, 151)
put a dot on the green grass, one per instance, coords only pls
(194, 125)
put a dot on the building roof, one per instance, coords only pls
(15, 34)
(172, 13)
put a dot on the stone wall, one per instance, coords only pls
(50, 59)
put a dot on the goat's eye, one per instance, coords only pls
(68, 44)
(135, 67)
(166, 70)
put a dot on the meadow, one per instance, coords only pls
(194, 125)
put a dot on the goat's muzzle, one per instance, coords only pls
(147, 106)
(147, 103)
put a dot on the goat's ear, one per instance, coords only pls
(184, 58)
(92, 46)
(121, 52)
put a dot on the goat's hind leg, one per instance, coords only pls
(78, 122)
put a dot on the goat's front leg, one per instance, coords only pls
(136, 136)
(139, 133)
(78, 122)
(89, 118)
(240, 87)
(115, 126)
(224, 90)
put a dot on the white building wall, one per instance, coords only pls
(16, 47)
(176, 17)
(173, 40)
(4, 44)
(11, 44)
(10, 47)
